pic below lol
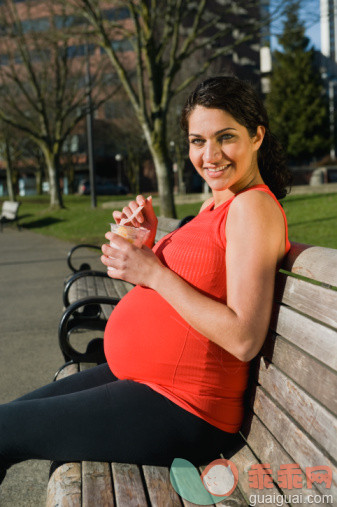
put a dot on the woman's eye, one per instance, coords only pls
(226, 137)
(196, 141)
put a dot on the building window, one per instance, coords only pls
(69, 21)
(35, 25)
(116, 14)
(120, 46)
(4, 59)
(75, 51)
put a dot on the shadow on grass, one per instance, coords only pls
(317, 220)
(307, 197)
(42, 222)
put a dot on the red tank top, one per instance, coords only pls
(147, 341)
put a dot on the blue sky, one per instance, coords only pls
(314, 33)
(310, 14)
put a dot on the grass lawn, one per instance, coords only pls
(312, 218)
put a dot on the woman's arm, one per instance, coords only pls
(255, 234)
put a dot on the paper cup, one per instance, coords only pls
(135, 235)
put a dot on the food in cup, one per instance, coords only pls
(135, 235)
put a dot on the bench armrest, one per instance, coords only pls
(91, 320)
(83, 266)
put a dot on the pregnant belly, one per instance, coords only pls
(144, 337)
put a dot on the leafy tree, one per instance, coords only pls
(297, 104)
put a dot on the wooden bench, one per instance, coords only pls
(291, 406)
(89, 297)
(9, 213)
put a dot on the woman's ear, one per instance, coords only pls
(259, 136)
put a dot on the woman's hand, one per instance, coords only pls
(139, 266)
(145, 218)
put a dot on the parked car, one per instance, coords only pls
(103, 187)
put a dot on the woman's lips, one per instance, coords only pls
(215, 172)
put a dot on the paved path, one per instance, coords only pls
(32, 270)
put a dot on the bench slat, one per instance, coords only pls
(315, 262)
(129, 489)
(120, 287)
(306, 411)
(165, 226)
(310, 336)
(160, 490)
(295, 442)
(312, 300)
(97, 484)
(307, 372)
(68, 370)
(65, 486)
(265, 445)
(243, 460)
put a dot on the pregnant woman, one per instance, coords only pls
(178, 345)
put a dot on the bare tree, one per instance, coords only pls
(165, 36)
(43, 92)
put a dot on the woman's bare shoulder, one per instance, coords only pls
(206, 203)
(258, 202)
(256, 216)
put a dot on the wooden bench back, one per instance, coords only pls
(10, 209)
(165, 226)
(292, 414)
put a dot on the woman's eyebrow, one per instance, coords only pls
(215, 133)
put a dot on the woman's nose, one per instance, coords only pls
(212, 153)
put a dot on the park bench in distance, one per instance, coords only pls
(9, 213)
(291, 407)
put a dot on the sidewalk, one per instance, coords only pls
(32, 270)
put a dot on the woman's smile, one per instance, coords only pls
(223, 152)
(216, 172)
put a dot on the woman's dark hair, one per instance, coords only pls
(240, 100)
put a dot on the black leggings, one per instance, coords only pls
(93, 416)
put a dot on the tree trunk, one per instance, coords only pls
(38, 176)
(9, 172)
(156, 141)
(56, 200)
(10, 186)
(165, 187)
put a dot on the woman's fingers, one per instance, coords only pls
(143, 217)
(117, 216)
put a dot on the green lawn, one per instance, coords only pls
(312, 218)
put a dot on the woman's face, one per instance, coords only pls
(222, 151)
